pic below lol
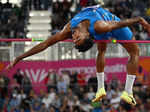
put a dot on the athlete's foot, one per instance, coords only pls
(128, 98)
(99, 95)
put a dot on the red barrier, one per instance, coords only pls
(104, 41)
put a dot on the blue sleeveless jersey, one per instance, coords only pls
(96, 13)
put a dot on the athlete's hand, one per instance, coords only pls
(13, 63)
(147, 28)
(145, 24)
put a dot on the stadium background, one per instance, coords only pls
(60, 79)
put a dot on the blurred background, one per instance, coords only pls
(60, 79)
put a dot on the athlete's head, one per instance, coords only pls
(88, 43)
(82, 39)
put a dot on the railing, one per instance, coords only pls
(65, 50)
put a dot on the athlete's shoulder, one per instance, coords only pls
(66, 30)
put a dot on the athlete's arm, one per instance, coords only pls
(60, 36)
(107, 26)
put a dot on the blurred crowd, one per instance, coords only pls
(67, 92)
(11, 21)
(13, 18)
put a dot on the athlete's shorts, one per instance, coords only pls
(122, 33)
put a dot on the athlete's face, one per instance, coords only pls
(78, 36)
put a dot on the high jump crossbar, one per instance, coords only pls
(101, 41)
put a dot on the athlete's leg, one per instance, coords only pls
(100, 60)
(133, 51)
(100, 63)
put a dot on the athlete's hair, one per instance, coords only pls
(88, 43)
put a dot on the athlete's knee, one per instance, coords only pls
(134, 56)
(102, 48)
(135, 52)
(101, 53)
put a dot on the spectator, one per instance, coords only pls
(76, 101)
(18, 76)
(36, 106)
(26, 84)
(57, 102)
(81, 79)
(21, 95)
(65, 106)
(66, 78)
(115, 100)
(85, 103)
(4, 81)
(43, 108)
(70, 97)
(110, 92)
(6, 106)
(73, 79)
(91, 93)
(51, 79)
(80, 93)
(46, 100)
(41, 94)
(36, 101)
(61, 85)
(52, 109)
(15, 86)
(93, 82)
(52, 94)
(114, 82)
(14, 102)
